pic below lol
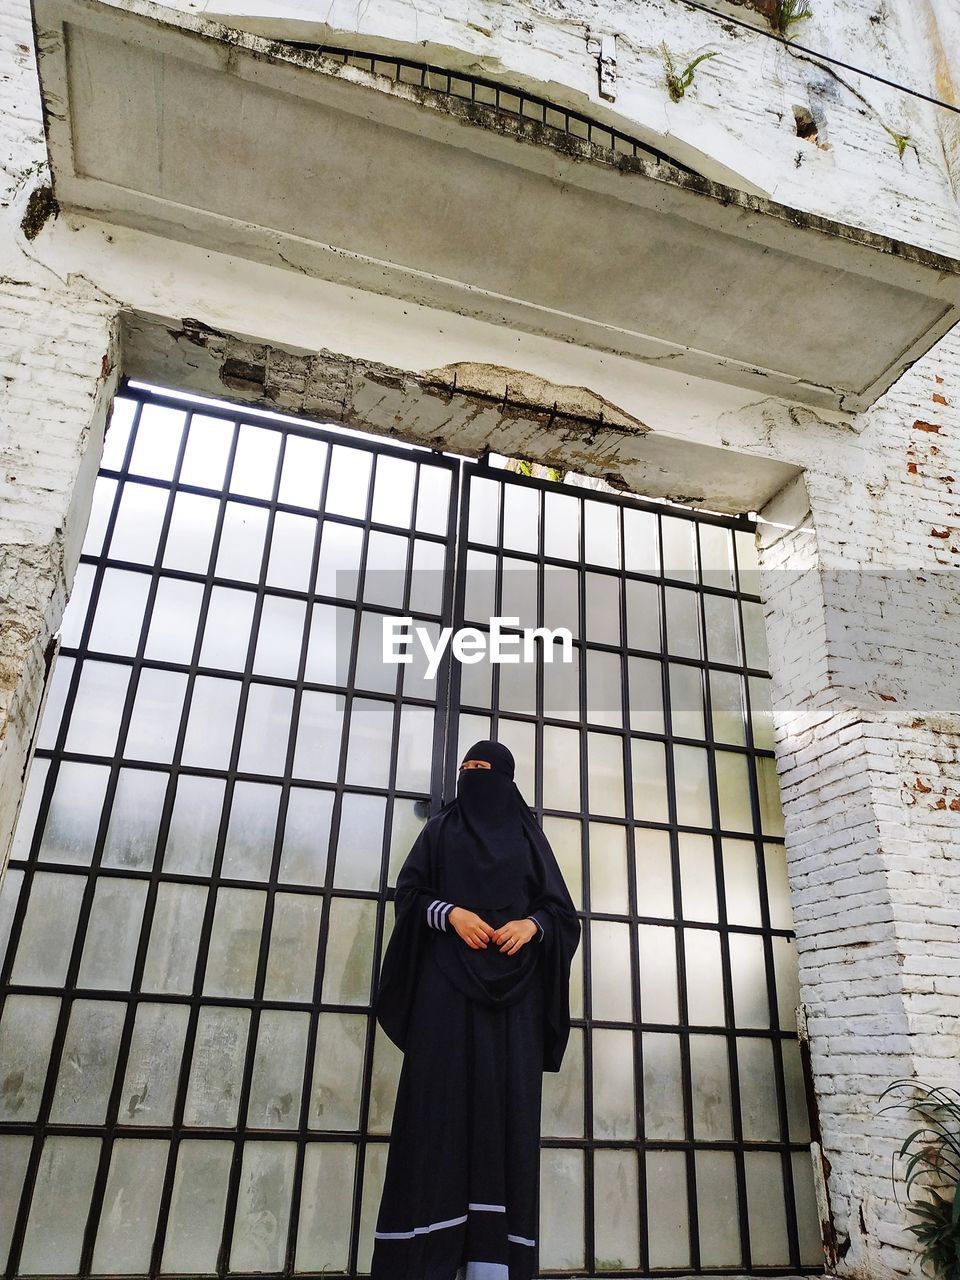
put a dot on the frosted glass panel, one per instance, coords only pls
(27, 1028)
(683, 622)
(733, 789)
(654, 873)
(118, 620)
(798, 1118)
(226, 636)
(131, 1202)
(387, 1061)
(134, 819)
(278, 1064)
(255, 461)
(414, 756)
(304, 467)
(561, 1209)
(704, 978)
(194, 824)
(155, 722)
(248, 852)
(234, 943)
(14, 1154)
(370, 740)
(562, 1104)
(786, 966)
(95, 718)
(717, 1209)
(710, 1077)
(614, 1113)
(266, 729)
(136, 532)
(698, 886)
(605, 773)
(293, 946)
(374, 1167)
(608, 868)
(645, 678)
(73, 819)
(318, 736)
(758, 1090)
(326, 1207)
(349, 955)
(211, 723)
(433, 499)
(10, 886)
(190, 538)
(659, 1001)
(610, 969)
(808, 1221)
(306, 835)
(750, 1004)
(359, 842)
(157, 443)
(668, 1229)
(686, 700)
(616, 1200)
(153, 1065)
(740, 882)
(291, 552)
(337, 1071)
(778, 888)
(30, 807)
(566, 840)
(349, 481)
(88, 1062)
(649, 781)
(280, 637)
(213, 1093)
(662, 1086)
(46, 939)
(174, 938)
(561, 769)
(692, 786)
(113, 933)
(196, 1209)
(58, 1211)
(208, 445)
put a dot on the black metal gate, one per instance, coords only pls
(226, 780)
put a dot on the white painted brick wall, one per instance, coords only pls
(868, 749)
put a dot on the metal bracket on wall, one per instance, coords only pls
(604, 49)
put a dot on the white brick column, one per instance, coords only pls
(58, 369)
(862, 601)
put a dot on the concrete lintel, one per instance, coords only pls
(462, 408)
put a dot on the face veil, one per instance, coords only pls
(487, 854)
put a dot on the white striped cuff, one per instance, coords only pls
(539, 926)
(437, 913)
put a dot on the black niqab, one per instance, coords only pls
(484, 833)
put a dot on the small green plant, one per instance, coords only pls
(787, 13)
(932, 1173)
(902, 140)
(678, 82)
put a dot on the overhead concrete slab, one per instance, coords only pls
(182, 127)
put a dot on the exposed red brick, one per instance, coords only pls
(938, 398)
(939, 533)
(920, 425)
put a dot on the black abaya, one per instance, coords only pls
(478, 1028)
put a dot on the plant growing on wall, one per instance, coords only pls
(902, 140)
(932, 1173)
(678, 82)
(787, 13)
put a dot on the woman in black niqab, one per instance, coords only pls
(480, 1006)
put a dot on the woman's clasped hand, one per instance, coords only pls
(477, 934)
